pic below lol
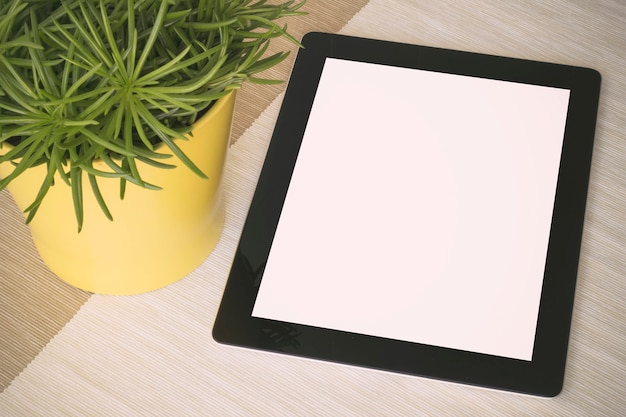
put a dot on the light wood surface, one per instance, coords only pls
(153, 354)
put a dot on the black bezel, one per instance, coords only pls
(543, 375)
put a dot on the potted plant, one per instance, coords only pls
(115, 118)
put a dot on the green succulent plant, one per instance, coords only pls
(114, 80)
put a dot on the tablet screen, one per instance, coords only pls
(419, 209)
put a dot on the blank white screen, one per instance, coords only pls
(419, 209)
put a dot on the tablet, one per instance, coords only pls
(420, 211)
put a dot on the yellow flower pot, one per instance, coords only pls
(155, 238)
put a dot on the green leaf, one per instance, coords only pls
(107, 144)
(17, 43)
(264, 81)
(96, 192)
(76, 176)
(57, 155)
(166, 69)
(43, 190)
(158, 23)
(93, 42)
(128, 140)
(132, 39)
(155, 164)
(192, 85)
(209, 26)
(17, 78)
(166, 134)
(79, 50)
(117, 56)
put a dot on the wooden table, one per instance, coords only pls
(67, 352)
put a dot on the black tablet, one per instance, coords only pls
(420, 211)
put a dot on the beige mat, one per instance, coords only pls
(153, 354)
